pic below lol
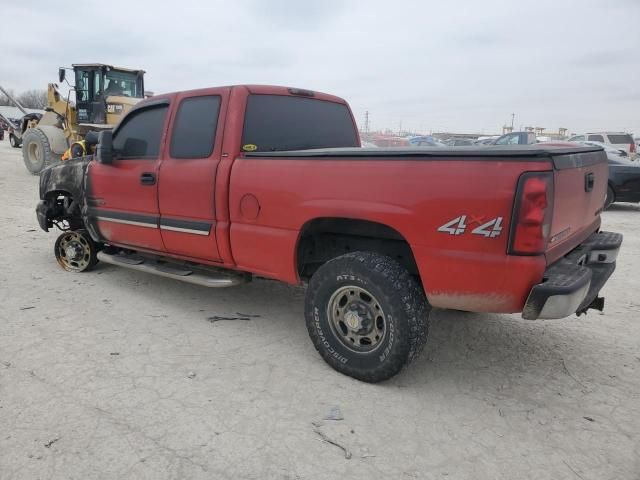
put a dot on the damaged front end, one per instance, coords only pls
(62, 195)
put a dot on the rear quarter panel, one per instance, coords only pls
(271, 199)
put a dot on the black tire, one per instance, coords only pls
(393, 295)
(14, 141)
(36, 150)
(75, 251)
(610, 198)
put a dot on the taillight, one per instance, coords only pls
(632, 147)
(531, 222)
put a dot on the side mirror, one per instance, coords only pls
(104, 150)
(62, 73)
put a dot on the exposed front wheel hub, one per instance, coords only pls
(75, 251)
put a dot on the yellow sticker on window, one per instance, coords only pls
(249, 147)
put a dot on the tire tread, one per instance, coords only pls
(403, 286)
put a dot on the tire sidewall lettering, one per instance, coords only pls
(323, 339)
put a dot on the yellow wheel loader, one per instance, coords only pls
(103, 94)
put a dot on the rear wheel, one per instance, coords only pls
(36, 150)
(610, 198)
(14, 141)
(366, 315)
(75, 251)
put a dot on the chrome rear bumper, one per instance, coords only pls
(571, 285)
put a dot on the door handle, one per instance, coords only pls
(148, 178)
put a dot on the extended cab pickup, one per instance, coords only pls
(215, 186)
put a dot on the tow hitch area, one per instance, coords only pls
(596, 304)
(571, 285)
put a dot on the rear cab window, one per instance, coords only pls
(280, 123)
(194, 130)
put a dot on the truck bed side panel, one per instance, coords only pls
(271, 199)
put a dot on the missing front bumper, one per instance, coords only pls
(571, 285)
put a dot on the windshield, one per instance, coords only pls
(126, 84)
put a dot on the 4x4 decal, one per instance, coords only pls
(455, 226)
(458, 226)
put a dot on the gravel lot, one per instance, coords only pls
(115, 374)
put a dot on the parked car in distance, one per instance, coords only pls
(486, 140)
(389, 141)
(609, 150)
(515, 138)
(624, 181)
(459, 142)
(624, 175)
(425, 141)
(620, 140)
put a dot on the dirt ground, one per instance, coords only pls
(115, 374)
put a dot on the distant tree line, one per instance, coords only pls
(29, 99)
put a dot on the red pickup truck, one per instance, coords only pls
(215, 186)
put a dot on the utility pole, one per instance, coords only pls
(366, 121)
(513, 117)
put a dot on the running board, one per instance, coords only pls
(197, 274)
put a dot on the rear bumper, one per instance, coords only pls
(571, 285)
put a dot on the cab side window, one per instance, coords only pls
(140, 134)
(194, 130)
(596, 138)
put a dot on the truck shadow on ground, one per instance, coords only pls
(491, 351)
(624, 207)
(462, 347)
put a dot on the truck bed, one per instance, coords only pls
(417, 191)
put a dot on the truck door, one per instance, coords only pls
(123, 196)
(186, 190)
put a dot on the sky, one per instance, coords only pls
(462, 66)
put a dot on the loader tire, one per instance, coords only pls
(36, 151)
(366, 315)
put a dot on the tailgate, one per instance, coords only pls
(580, 187)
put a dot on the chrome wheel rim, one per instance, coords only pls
(357, 319)
(74, 252)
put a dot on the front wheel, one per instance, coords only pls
(75, 251)
(366, 315)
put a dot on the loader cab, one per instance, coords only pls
(105, 93)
